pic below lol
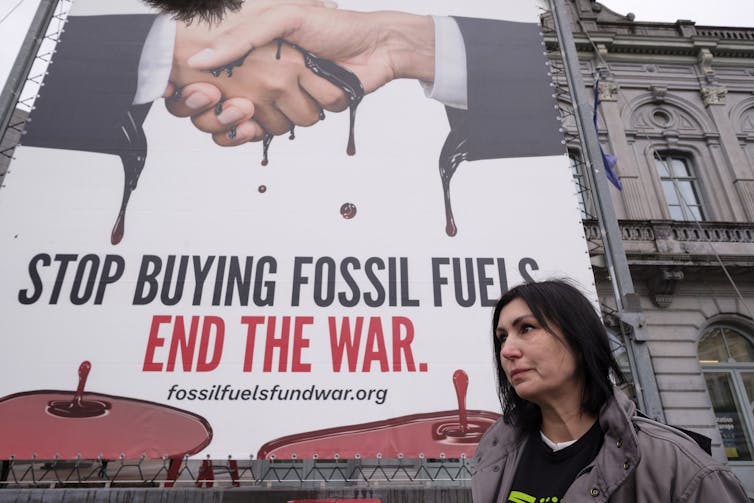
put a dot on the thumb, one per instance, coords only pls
(264, 22)
(224, 50)
(234, 43)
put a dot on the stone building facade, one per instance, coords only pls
(676, 108)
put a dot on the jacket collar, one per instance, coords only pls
(619, 455)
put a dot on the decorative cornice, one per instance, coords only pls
(654, 46)
(623, 35)
(723, 33)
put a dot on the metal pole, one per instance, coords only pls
(627, 302)
(24, 61)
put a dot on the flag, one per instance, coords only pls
(608, 160)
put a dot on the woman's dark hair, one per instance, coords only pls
(186, 10)
(557, 303)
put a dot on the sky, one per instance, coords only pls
(16, 15)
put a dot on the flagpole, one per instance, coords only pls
(627, 302)
(24, 61)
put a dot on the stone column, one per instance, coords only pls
(633, 195)
(739, 169)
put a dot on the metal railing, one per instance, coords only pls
(231, 472)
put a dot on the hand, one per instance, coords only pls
(377, 46)
(272, 84)
(229, 122)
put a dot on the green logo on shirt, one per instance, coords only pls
(519, 497)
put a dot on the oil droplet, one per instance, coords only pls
(348, 210)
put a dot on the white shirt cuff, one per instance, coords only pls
(449, 86)
(156, 60)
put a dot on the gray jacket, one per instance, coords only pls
(641, 460)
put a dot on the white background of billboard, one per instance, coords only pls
(195, 198)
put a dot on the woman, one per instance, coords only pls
(567, 434)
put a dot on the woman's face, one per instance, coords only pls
(540, 365)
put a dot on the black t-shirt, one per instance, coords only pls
(544, 475)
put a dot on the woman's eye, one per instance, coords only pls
(526, 328)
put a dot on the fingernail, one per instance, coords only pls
(232, 133)
(197, 100)
(330, 4)
(201, 58)
(229, 116)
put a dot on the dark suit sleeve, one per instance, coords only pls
(511, 111)
(91, 84)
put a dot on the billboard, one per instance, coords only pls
(165, 296)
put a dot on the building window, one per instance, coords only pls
(680, 187)
(582, 186)
(727, 358)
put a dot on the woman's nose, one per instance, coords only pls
(509, 351)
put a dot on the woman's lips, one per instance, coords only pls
(517, 372)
